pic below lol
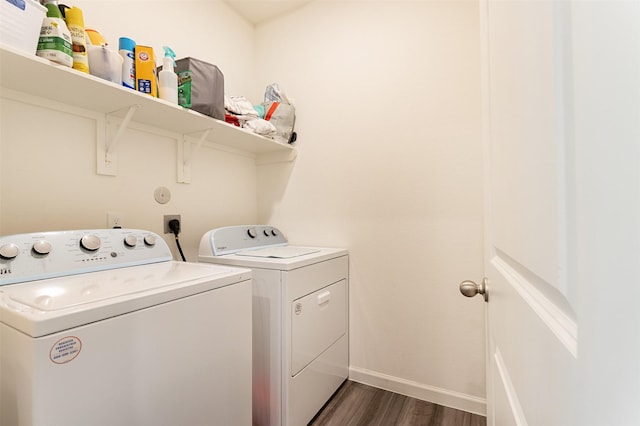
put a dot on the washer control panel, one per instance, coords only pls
(234, 239)
(29, 257)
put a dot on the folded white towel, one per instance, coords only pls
(239, 105)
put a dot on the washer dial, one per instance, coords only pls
(90, 242)
(42, 247)
(150, 240)
(130, 241)
(9, 251)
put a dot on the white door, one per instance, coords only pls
(561, 107)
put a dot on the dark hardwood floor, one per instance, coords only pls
(355, 404)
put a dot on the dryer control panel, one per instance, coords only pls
(29, 257)
(234, 239)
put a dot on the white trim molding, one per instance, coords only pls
(560, 324)
(436, 395)
(507, 385)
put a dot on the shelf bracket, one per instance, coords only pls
(107, 155)
(186, 152)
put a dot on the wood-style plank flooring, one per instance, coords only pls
(355, 404)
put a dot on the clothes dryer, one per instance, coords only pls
(300, 319)
(102, 327)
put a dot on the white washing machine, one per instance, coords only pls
(102, 327)
(300, 319)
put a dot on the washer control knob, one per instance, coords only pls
(9, 251)
(150, 240)
(274, 232)
(130, 241)
(267, 233)
(252, 232)
(42, 247)
(90, 242)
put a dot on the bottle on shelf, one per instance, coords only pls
(126, 48)
(167, 77)
(75, 23)
(55, 42)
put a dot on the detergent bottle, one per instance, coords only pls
(126, 48)
(167, 78)
(75, 22)
(54, 43)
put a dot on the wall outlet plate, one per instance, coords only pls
(115, 220)
(168, 218)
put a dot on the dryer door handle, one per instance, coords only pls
(324, 297)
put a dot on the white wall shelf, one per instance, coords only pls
(41, 78)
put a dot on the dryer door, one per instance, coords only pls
(317, 321)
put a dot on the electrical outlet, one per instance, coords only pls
(167, 219)
(115, 220)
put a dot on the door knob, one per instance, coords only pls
(470, 289)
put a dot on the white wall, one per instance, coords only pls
(47, 156)
(389, 166)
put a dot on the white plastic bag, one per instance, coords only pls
(281, 113)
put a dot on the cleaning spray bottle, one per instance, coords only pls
(167, 78)
(54, 43)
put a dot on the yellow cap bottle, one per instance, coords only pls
(75, 23)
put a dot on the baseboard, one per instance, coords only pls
(452, 399)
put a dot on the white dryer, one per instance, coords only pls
(300, 319)
(102, 327)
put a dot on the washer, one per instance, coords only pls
(300, 319)
(102, 327)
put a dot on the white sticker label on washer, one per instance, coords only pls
(65, 350)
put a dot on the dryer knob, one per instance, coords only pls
(252, 232)
(150, 240)
(267, 233)
(9, 251)
(274, 232)
(42, 247)
(90, 242)
(130, 241)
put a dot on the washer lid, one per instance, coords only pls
(245, 258)
(42, 307)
